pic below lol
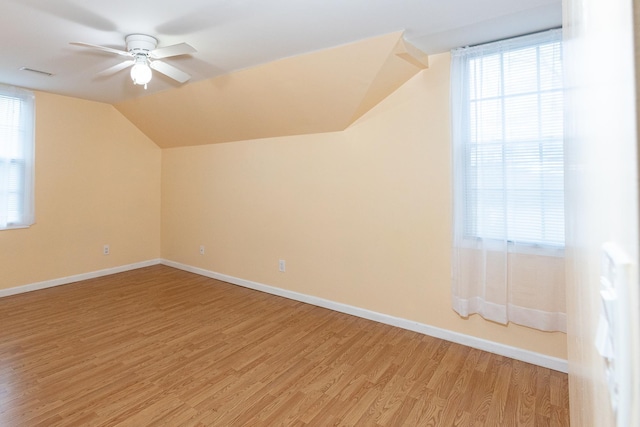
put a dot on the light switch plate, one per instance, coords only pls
(615, 320)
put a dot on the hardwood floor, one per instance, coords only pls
(159, 346)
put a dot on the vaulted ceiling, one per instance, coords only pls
(262, 67)
(318, 92)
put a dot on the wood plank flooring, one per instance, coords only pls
(159, 346)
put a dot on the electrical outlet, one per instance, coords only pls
(202, 250)
(281, 265)
(105, 250)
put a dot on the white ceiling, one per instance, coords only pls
(232, 34)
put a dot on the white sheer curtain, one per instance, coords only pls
(508, 174)
(17, 121)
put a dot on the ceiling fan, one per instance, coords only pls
(145, 55)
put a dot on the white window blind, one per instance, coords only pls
(513, 141)
(16, 157)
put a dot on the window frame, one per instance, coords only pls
(471, 237)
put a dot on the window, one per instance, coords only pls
(16, 157)
(508, 181)
(508, 138)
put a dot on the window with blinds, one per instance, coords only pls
(513, 143)
(16, 157)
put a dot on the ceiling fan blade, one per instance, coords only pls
(103, 48)
(173, 50)
(118, 67)
(170, 71)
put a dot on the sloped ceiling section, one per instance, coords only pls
(324, 91)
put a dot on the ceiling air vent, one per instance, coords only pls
(44, 73)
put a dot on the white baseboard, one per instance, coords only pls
(545, 361)
(76, 278)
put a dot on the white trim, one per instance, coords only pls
(539, 359)
(76, 278)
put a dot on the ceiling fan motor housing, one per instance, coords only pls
(140, 44)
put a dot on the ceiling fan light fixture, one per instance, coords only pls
(141, 72)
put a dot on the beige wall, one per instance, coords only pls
(362, 217)
(97, 182)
